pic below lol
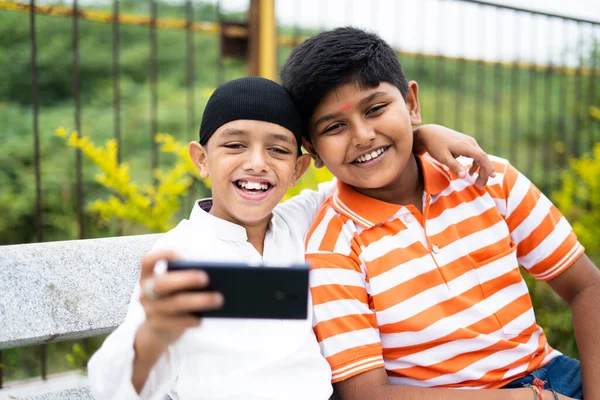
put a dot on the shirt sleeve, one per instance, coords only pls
(303, 207)
(546, 243)
(343, 321)
(110, 369)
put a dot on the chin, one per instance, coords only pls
(253, 216)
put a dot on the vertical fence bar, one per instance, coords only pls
(497, 90)
(297, 33)
(323, 16)
(561, 138)
(514, 94)
(592, 126)
(116, 39)
(592, 89)
(420, 61)
(77, 101)
(479, 99)
(78, 154)
(532, 106)
(577, 130)
(349, 12)
(191, 107)
(440, 65)
(153, 89)
(548, 89)
(374, 10)
(190, 72)
(39, 232)
(220, 66)
(460, 74)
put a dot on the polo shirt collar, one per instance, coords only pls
(368, 212)
(224, 230)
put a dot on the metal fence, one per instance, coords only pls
(530, 104)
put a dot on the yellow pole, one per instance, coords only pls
(267, 48)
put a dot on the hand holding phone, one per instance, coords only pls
(169, 299)
(252, 291)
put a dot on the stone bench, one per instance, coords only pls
(55, 291)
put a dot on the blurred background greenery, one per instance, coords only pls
(537, 116)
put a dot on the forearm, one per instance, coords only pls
(147, 352)
(419, 144)
(396, 392)
(585, 308)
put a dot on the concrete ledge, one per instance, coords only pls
(68, 385)
(57, 291)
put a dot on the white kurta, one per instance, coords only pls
(226, 358)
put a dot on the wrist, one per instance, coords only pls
(148, 341)
(418, 142)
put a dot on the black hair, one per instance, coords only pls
(337, 57)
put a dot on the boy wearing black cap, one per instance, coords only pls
(250, 147)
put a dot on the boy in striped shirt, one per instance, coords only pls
(415, 282)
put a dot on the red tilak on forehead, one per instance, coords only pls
(346, 106)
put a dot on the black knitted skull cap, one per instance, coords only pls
(252, 98)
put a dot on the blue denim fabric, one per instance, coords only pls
(562, 374)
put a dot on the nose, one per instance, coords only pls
(255, 160)
(363, 135)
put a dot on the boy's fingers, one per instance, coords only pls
(482, 179)
(189, 302)
(172, 282)
(473, 168)
(150, 259)
(483, 162)
(456, 167)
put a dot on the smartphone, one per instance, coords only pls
(254, 291)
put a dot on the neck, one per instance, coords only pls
(406, 189)
(256, 235)
(256, 231)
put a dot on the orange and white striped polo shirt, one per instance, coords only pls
(437, 297)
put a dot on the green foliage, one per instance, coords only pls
(152, 206)
(78, 357)
(579, 199)
(23, 362)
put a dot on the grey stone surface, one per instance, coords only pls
(82, 393)
(68, 385)
(56, 291)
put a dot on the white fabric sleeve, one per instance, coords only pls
(110, 369)
(303, 208)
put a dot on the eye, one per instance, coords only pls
(375, 109)
(280, 150)
(332, 128)
(234, 146)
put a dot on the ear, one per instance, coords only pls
(313, 153)
(199, 158)
(302, 164)
(412, 103)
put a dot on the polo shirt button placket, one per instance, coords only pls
(435, 248)
(408, 218)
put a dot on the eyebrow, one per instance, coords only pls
(361, 103)
(232, 132)
(283, 138)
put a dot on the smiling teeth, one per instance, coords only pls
(370, 156)
(254, 185)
